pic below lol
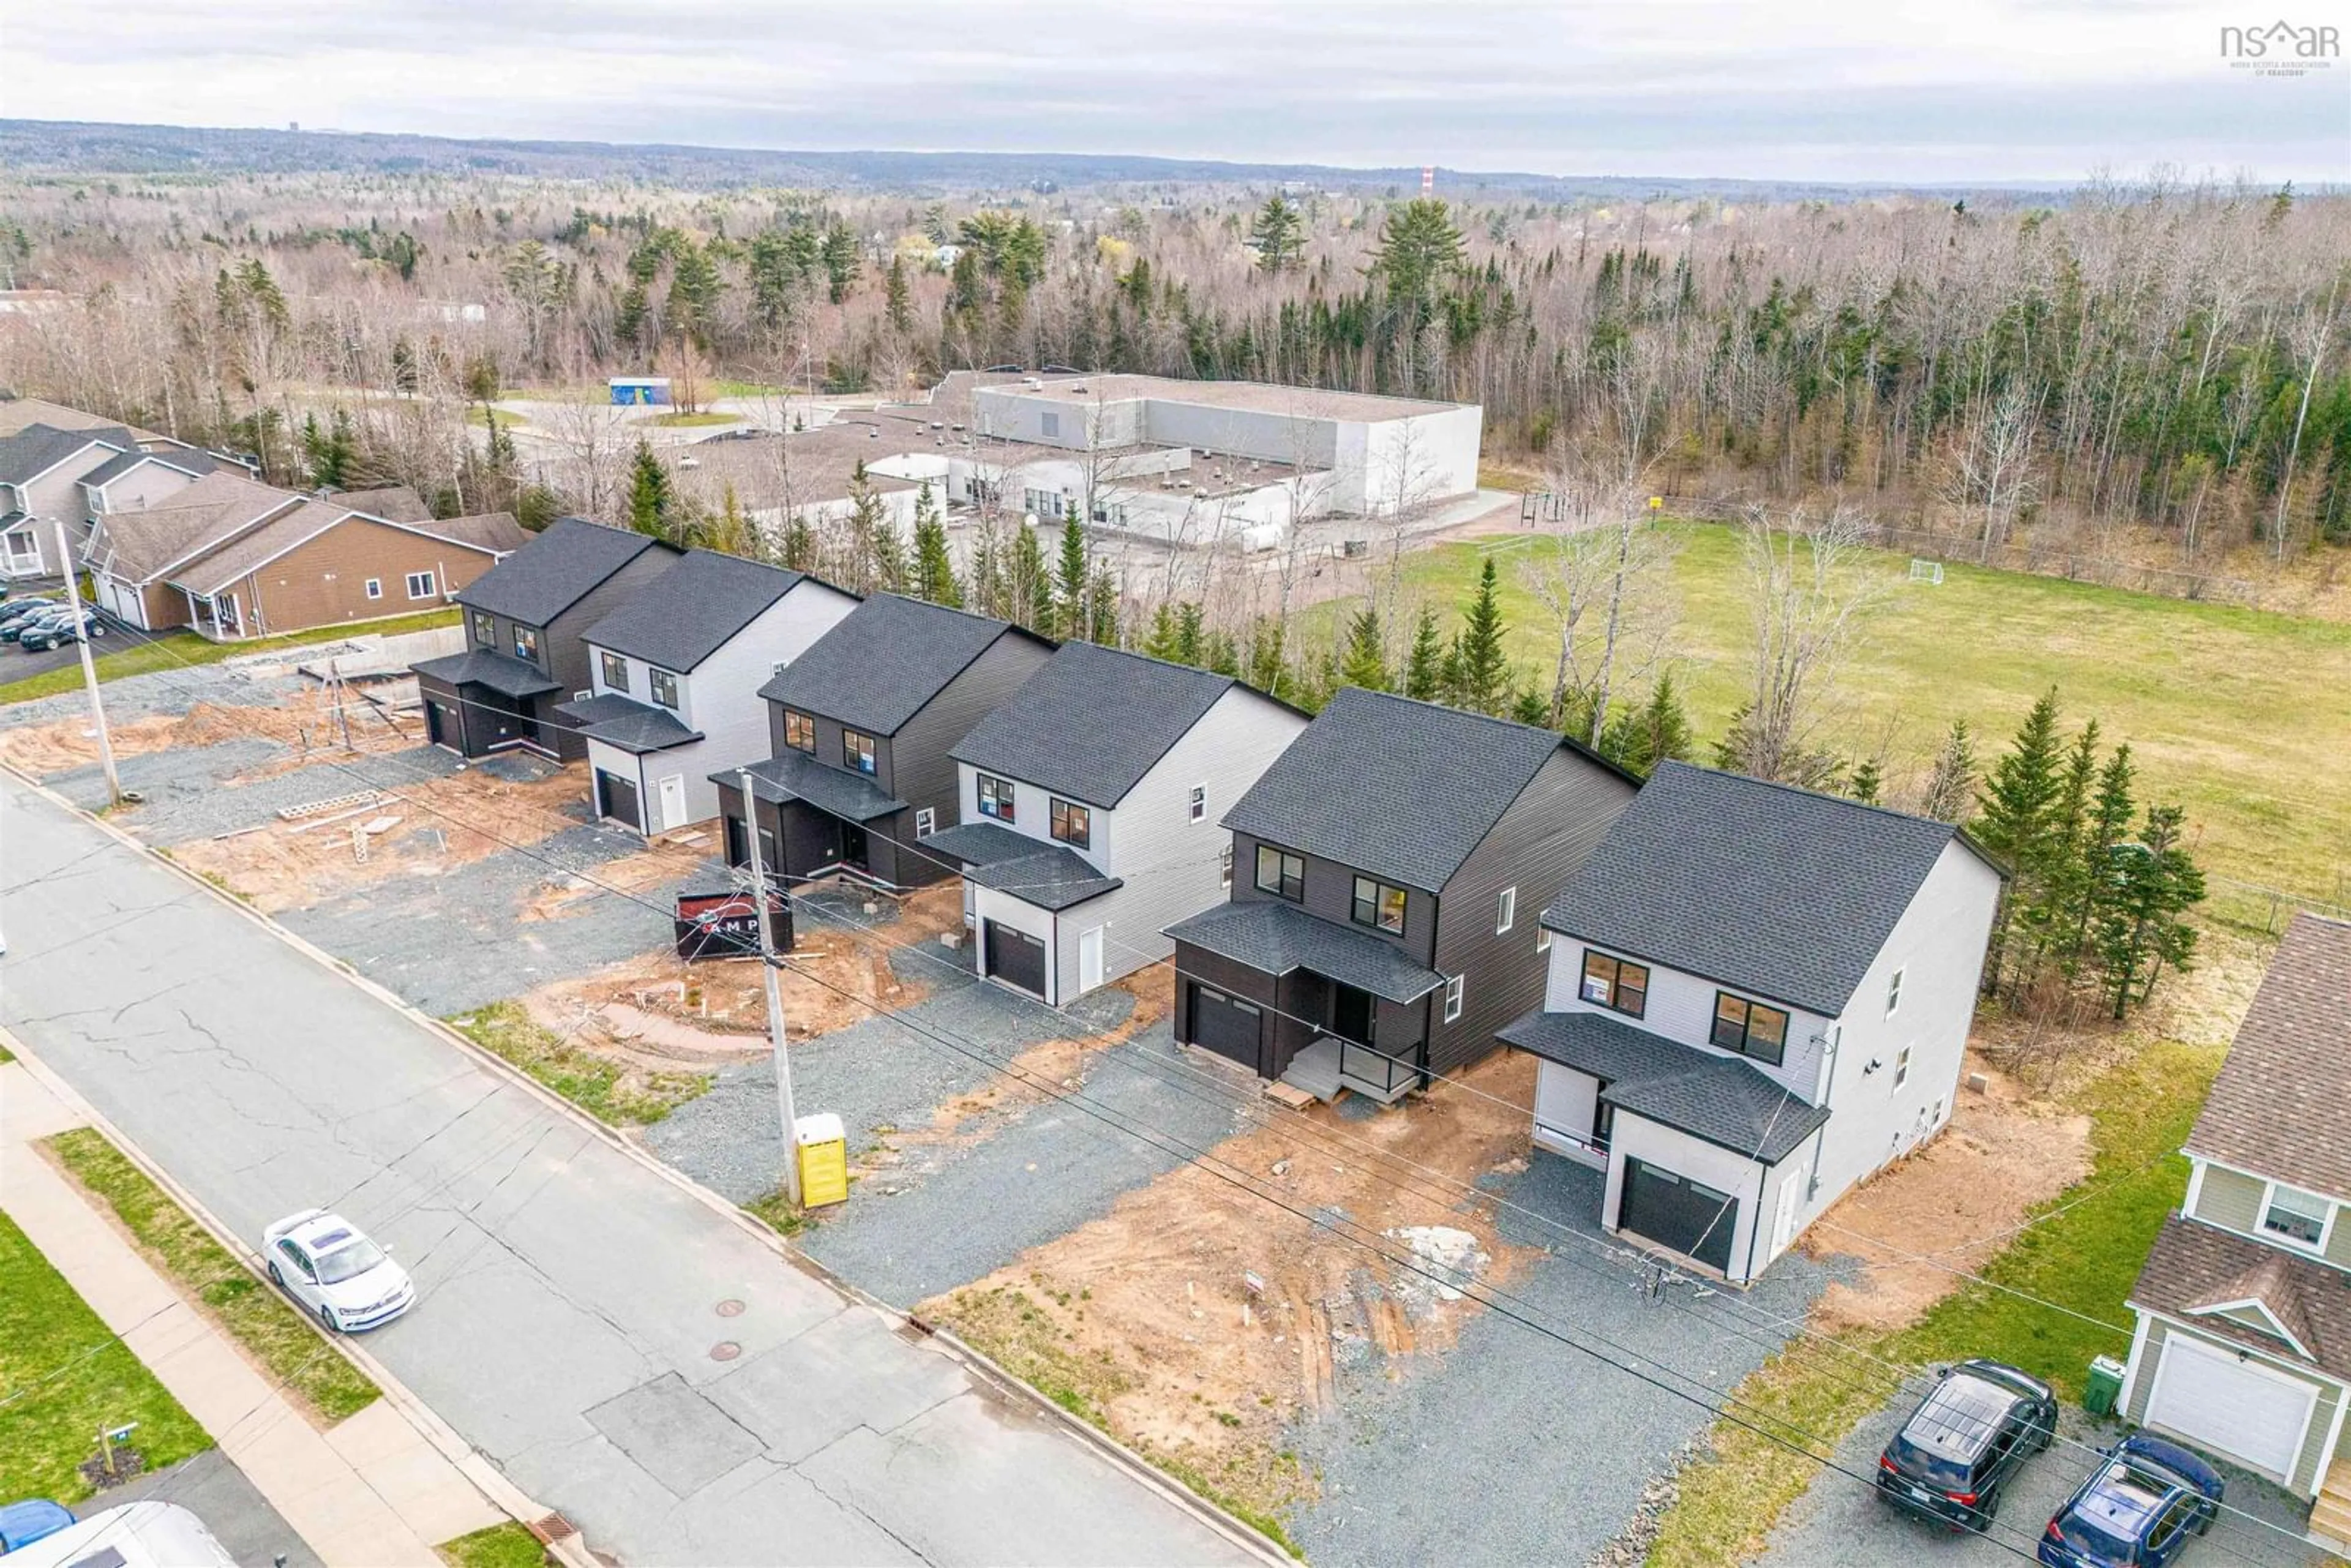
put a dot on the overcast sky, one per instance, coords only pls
(1820, 89)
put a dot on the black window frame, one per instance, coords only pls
(656, 679)
(865, 758)
(999, 797)
(1070, 822)
(805, 727)
(525, 638)
(1747, 1045)
(1381, 893)
(615, 668)
(1614, 1001)
(485, 628)
(1287, 885)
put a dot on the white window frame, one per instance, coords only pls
(1506, 911)
(374, 588)
(1198, 806)
(1225, 871)
(1894, 992)
(431, 586)
(926, 822)
(1902, 1066)
(1542, 938)
(1453, 988)
(2270, 1190)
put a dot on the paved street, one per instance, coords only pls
(572, 1323)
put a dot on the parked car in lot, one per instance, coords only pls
(1952, 1460)
(59, 628)
(342, 1278)
(14, 617)
(35, 1519)
(2136, 1510)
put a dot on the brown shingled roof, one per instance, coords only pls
(2195, 1268)
(2282, 1105)
(138, 546)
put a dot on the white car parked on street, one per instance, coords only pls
(342, 1278)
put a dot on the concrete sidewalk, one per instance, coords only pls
(370, 1492)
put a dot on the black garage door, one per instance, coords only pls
(1226, 1024)
(617, 798)
(1015, 957)
(1677, 1212)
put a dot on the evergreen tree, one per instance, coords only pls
(801, 550)
(842, 262)
(1365, 663)
(1951, 781)
(934, 575)
(1867, 784)
(2017, 813)
(2073, 869)
(2141, 932)
(1102, 619)
(1532, 708)
(1191, 644)
(1424, 671)
(1160, 640)
(876, 563)
(1072, 578)
(900, 308)
(1418, 248)
(1280, 236)
(1657, 731)
(1266, 664)
(1029, 584)
(1481, 681)
(650, 502)
(2105, 826)
(1222, 654)
(988, 593)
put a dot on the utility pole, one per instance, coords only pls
(775, 992)
(84, 620)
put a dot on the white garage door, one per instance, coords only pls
(2232, 1407)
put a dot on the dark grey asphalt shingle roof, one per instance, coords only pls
(627, 722)
(1763, 887)
(796, 776)
(38, 448)
(480, 667)
(690, 611)
(886, 658)
(979, 843)
(553, 572)
(1722, 1099)
(1274, 938)
(1050, 876)
(1092, 722)
(1400, 789)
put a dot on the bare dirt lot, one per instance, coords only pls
(655, 1008)
(1196, 1321)
(421, 829)
(312, 723)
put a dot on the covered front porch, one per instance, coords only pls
(1704, 1159)
(813, 821)
(1322, 1006)
(477, 703)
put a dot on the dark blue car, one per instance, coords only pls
(21, 1523)
(2136, 1510)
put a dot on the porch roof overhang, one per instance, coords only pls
(1276, 938)
(795, 775)
(480, 667)
(1045, 876)
(1720, 1099)
(628, 724)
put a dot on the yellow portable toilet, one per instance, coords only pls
(822, 1147)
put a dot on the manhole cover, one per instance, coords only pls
(730, 1308)
(724, 1350)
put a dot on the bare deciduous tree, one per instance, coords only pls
(1810, 587)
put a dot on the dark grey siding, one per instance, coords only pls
(1278, 1037)
(1330, 893)
(925, 772)
(566, 646)
(1550, 829)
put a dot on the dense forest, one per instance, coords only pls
(2170, 356)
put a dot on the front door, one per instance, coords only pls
(1678, 1213)
(1090, 959)
(852, 846)
(1352, 1014)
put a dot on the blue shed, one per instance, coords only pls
(629, 391)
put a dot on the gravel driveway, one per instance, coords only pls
(1840, 1523)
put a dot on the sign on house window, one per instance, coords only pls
(997, 799)
(1072, 823)
(527, 645)
(1615, 984)
(799, 732)
(857, 750)
(616, 671)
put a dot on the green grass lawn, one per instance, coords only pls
(502, 1545)
(723, 388)
(63, 1376)
(258, 1317)
(480, 419)
(680, 419)
(2242, 715)
(2084, 1258)
(600, 1087)
(180, 648)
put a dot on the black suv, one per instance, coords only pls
(1955, 1455)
